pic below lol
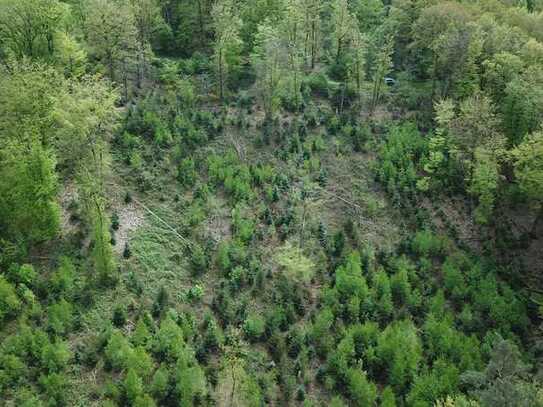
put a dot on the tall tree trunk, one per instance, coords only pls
(221, 78)
(313, 44)
(201, 22)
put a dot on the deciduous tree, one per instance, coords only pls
(227, 45)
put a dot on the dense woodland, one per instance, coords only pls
(271, 203)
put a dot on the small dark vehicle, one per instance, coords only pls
(390, 81)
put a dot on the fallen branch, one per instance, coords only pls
(341, 199)
(184, 240)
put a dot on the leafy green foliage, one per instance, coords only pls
(398, 159)
(296, 265)
(9, 302)
(191, 206)
(400, 351)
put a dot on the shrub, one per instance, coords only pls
(399, 350)
(254, 327)
(429, 387)
(195, 293)
(198, 260)
(133, 385)
(425, 244)
(9, 303)
(119, 315)
(60, 317)
(398, 160)
(361, 391)
(187, 172)
(160, 383)
(318, 83)
(118, 351)
(24, 274)
(62, 279)
(144, 401)
(13, 371)
(54, 386)
(115, 221)
(161, 301)
(141, 335)
(55, 356)
(170, 340)
(295, 264)
(126, 251)
(238, 277)
(320, 332)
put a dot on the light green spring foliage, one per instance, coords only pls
(361, 391)
(28, 190)
(528, 163)
(484, 183)
(191, 382)
(112, 35)
(237, 386)
(133, 386)
(295, 264)
(170, 88)
(268, 59)
(227, 47)
(9, 302)
(400, 348)
(31, 27)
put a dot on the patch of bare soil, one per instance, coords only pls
(351, 194)
(522, 221)
(218, 224)
(533, 258)
(67, 197)
(455, 213)
(131, 217)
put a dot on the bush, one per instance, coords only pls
(320, 334)
(55, 356)
(126, 251)
(62, 279)
(24, 274)
(9, 303)
(399, 350)
(118, 351)
(359, 137)
(169, 340)
(398, 160)
(254, 327)
(161, 301)
(54, 386)
(195, 293)
(60, 317)
(119, 316)
(144, 401)
(318, 83)
(115, 221)
(186, 173)
(198, 260)
(425, 244)
(13, 371)
(361, 391)
(429, 387)
(160, 383)
(133, 386)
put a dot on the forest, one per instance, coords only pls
(246, 203)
